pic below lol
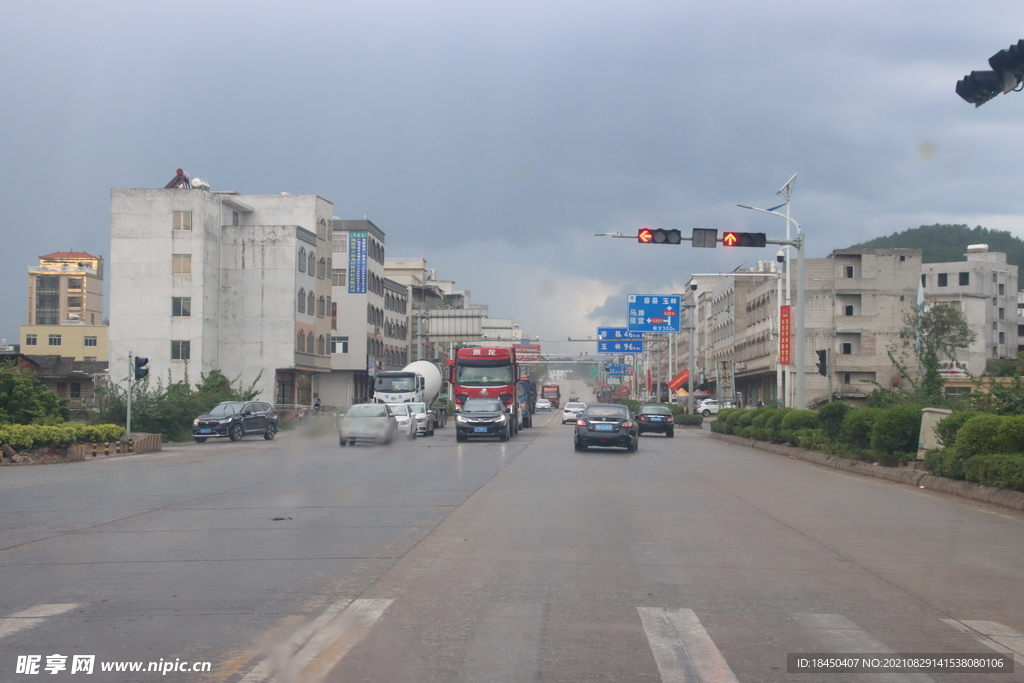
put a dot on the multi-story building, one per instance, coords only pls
(65, 307)
(207, 280)
(984, 289)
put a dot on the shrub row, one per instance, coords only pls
(982, 448)
(25, 437)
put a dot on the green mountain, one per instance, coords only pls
(942, 243)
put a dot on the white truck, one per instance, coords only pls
(417, 382)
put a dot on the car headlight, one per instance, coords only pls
(224, 422)
(459, 418)
(195, 422)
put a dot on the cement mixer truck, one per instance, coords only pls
(417, 382)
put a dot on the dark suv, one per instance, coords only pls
(235, 419)
(654, 417)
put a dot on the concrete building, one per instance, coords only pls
(984, 289)
(65, 307)
(370, 318)
(207, 280)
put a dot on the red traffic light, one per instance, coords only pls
(645, 236)
(658, 236)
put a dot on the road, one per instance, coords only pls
(432, 561)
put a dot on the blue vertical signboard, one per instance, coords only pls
(653, 313)
(357, 262)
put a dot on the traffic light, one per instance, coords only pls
(140, 367)
(658, 236)
(1007, 73)
(743, 239)
(822, 362)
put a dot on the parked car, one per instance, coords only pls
(606, 425)
(367, 423)
(655, 417)
(235, 419)
(405, 418)
(424, 418)
(482, 417)
(711, 406)
(572, 411)
(543, 404)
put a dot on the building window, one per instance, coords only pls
(181, 306)
(1002, 290)
(846, 376)
(847, 348)
(90, 341)
(902, 297)
(302, 300)
(234, 218)
(47, 299)
(74, 302)
(943, 279)
(322, 272)
(321, 230)
(74, 283)
(1002, 313)
(995, 301)
(54, 340)
(849, 271)
(321, 348)
(1002, 337)
(321, 307)
(957, 391)
(995, 277)
(995, 325)
(334, 315)
(31, 340)
(181, 350)
(965, 279)
(339, 242)
(338, 278)
(301, 343)
(339, 344)
(311, 303)
(902, 259)
(182, 220)
(995, 352)
(302, 259)
(75, 390)
(309, 342)
(312, 264)
(849, 310)
(181, 263)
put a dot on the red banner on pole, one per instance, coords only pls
(785, 335)
(679, 380)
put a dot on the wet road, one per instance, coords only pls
(690, 560)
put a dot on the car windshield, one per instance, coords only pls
(607, 411)
(486, 374)
(417, 408)
(367, 411)
(399, 409)
(575, 406)
(395, 384)
(226, 409)
(654, 410)
(482, 405)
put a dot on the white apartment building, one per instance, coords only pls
(205, 280)
(984, 289)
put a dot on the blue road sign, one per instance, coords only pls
(617, 369)
(653, 313)
(624, 346)
(618, 333)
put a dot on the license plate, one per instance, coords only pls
(480, 430)
(655, 419)
(205, 431)
(604, 428)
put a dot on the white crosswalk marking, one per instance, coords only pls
(310, 654)
(683, 650)
(836, 633)
(33, 616)
(999, 637)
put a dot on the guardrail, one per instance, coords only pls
(84, 450)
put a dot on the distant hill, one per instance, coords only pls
(942, 243)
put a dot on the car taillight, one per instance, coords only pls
(643, 418)
(627, 425)
(581, 423)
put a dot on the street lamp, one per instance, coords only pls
(786, 192)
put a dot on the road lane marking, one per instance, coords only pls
(683, 650)
(992, 634)
(33, 616)
(314, 650)
(836, 633)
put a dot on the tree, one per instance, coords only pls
(931, 334)
(25, 400)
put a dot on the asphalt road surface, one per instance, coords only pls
(432, 561)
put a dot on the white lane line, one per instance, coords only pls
(992, 634)
(836, 633)
(310, 654)
(683, 650)
(33, 616)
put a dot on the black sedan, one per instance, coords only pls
(606, 425)
(654, 417)
(482, 417)
(235, 419)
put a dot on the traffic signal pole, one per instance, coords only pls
(131, 373)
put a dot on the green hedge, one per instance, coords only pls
(831, 416)
(948, 427)
(25, 437)
(689, 420)
(800, 419)
(895, 434)
(856, 429)
(1004, 470)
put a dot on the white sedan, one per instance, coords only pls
(543, 404)
(572, 411)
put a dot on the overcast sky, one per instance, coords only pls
(494, 139)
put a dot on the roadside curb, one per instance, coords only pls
(964, 489)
